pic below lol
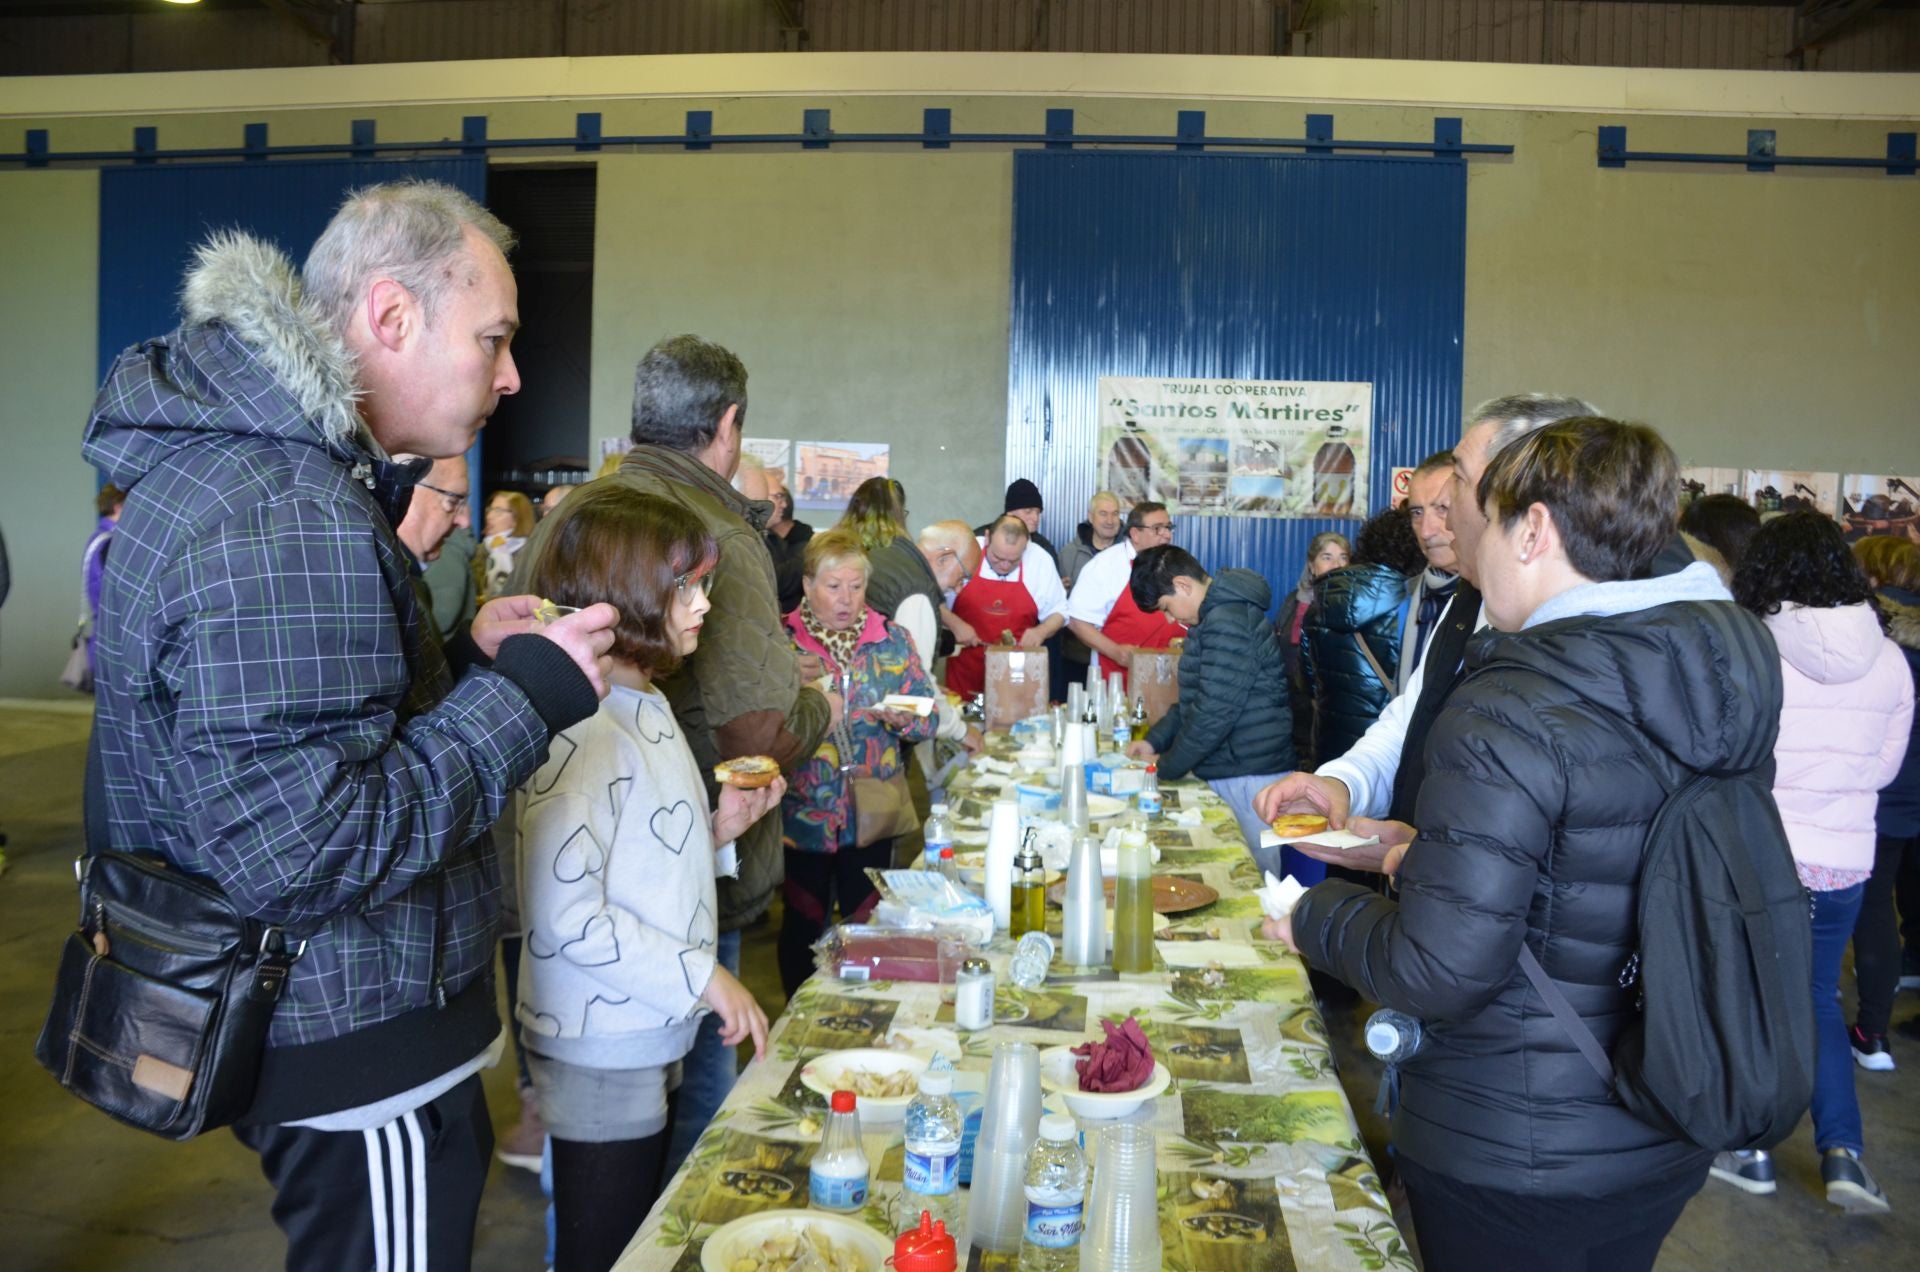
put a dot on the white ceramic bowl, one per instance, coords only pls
(1057, 1074)
(743, 1234)
(827, 1074)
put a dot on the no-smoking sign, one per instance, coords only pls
(1402, 485)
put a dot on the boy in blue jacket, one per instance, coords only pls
(1232, 726)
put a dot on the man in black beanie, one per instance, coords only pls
(1023, 501)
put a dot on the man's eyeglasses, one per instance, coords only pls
(685, 585)
(1158, 527)
(451, 501)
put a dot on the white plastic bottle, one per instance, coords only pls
(1056, 1198)
(838, 1177)
(938, 834)
(932, 1132)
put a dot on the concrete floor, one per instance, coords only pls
(78, 1191)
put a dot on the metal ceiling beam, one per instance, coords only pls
(1817, 20)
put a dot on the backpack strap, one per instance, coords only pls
(1367, 653)
(1563, 1012)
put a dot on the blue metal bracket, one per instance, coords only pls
(1319, 130)
(586, 130)
(1191, 128)
(1190, 137)
(816, 126)
(937, 123)
(1761, 155)
(1059, 127)
(699, 130)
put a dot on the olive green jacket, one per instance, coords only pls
(739, 694)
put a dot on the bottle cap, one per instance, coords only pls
(1383, 1036)
(932, 1083)
(974, 964)
(843, 1101)
(927, 1248)
(1152, 767)
(1058, 1127)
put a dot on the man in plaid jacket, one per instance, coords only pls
(275, 709)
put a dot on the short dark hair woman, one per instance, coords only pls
(1529, 830)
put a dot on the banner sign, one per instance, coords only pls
(1237, 448)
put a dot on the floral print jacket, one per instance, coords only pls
(818, 809)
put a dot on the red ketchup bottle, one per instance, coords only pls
(927, 1248)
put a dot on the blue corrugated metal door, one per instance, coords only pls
(1247, 267)
(151, 219)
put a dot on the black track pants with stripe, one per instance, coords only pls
(401, 1197)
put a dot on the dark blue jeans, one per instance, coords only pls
(1836, 1110)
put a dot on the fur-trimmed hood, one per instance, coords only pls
(251, 357)
(1903, 619)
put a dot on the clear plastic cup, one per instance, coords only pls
(952, 946)
(1123, 1219)
(1012, 1117)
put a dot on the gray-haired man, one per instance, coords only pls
(276, 712)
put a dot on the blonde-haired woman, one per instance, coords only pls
(504, 531)
(868, 658)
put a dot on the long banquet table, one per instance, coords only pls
(1261, 1164)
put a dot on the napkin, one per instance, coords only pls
(1345, 840)
(1184, 817)
(1279, 896)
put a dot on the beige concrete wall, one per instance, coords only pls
(1757, 319)
(49, 226)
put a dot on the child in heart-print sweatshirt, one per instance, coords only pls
(617, 865)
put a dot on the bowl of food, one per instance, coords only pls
(776, 1240)
(884, 1081)
(1059, 1075)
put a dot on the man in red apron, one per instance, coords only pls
(1101, 611)
(1008, 595)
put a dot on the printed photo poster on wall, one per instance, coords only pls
(1237, 448)
(1880, 504)
(1789, 490)
(1695, 482)
(825, 474)
(774, 452)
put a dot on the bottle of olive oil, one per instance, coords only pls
(1133, 905)
(1029, 910)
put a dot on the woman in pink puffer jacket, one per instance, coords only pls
(1844, 725)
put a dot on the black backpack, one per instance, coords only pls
(1722, 1054)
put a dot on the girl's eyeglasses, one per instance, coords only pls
(685, 585)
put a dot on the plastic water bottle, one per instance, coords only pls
(1031, 959)
(837, 1179)
(1148, 800)
(1394, 1036)
(1056, 1198)
(1122, 728)
(938, 834)
(932, 1132)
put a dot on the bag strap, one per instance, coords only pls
(1563, 1012)
(1385, 680)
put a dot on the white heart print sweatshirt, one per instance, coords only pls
(617, 864)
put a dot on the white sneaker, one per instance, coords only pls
(1749, 1170)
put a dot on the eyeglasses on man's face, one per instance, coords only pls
(1157, 527)
(451, 501)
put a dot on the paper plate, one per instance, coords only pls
(1101, 807)
(827, 1073)
(735, 1240)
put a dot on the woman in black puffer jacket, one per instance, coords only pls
(1530, 826)
(1358, 611)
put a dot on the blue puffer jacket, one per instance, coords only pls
(1369, 601)
(1898, 815)
(1232, 718)
(275, 710)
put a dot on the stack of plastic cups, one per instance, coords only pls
(1117, 694)
(1076, 703)
(1083, 923)
(1073, 797)
(997, 1206)
(1003, 841)
(1123, 1221)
